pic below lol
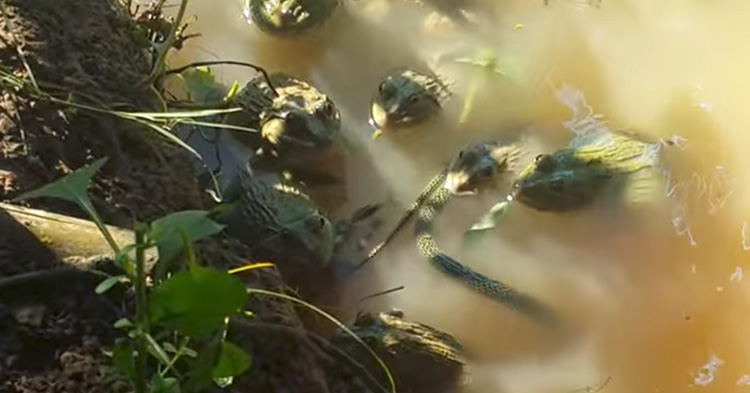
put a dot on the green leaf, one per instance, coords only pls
(169, 347)
(124, 261)
(123, 360)
(189, 352)
(73, 187)
(196, 302)
(202, 86)
(123, 323)
(107, 284)
(233, 361)
(156, 350)
(166, 233)
(160, 384)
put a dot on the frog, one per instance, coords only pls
(271, 213)
(289, 18)
(406, 98)
(572, 178)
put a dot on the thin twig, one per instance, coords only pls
(381, 293)
(224, 62)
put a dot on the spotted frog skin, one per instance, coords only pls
(271, 214)
(421, 358)
(407, 98)
(293, 117)
(289, 18)
(572, 178)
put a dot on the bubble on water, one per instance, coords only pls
(737, 275)
(744, 380)
(706, 375)
(745, 243)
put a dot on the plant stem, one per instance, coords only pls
(158, 68)
(140, 309)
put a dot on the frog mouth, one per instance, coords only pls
(382, 118)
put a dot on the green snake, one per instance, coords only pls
(479, 163)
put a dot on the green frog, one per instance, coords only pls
(289, 18)
(269, 212)
(407, 98)
(291, 115)
(594, 163)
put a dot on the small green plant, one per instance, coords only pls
(176, 340)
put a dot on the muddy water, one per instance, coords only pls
(656, 297)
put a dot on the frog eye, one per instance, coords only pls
(328, 107)
(321, 222)
(381, 87)
(544, 163)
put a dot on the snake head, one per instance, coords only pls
(479, 164)
(405, 99)
(309, 122)
(558, 182)
(288, 17)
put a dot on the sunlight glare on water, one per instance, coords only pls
(658, 298)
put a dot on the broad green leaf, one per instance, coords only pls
(72, 187)
(160, 384)
(166, 233)
(233, 361)
(196, 302)
(202, 86)
(123, 360)
(107, 284)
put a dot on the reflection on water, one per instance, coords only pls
(658, 297)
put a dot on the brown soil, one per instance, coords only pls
(52, 340)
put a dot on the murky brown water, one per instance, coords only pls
(657, 296)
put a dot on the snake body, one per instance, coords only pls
(480, 162)
(496, 290)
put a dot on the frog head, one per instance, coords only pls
(406, 99)
(561, 181)
(309, 230)
(301, 117)
(288, 17)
